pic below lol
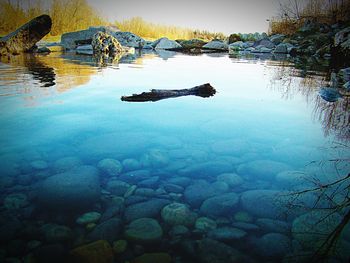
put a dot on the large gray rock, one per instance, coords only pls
(226, 234)
(277, 39)
(262, 169)
(165, 43)
(129, 39)
(77, 188)
(144, 231)
(216, 45)
(25, 37)
(149, 208)
(281, 48)
(178, 214)
(211, 251)
(72, 39)
(265, 43)
(342, 38)
(274, 245)
(196, 193)
(222, 205)
(108, 230)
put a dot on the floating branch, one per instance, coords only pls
(204, 91)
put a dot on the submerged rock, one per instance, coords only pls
(221, 205)
(90, 217)
(178, 214)
(110, 166)
(274, 245)
(205, 224)
(56, 233)
(96, 252)
(226, 234)
(74, 189)
(212, 251)
(25, 37)
(149, 208)
(144, 231)
(108, 230)
(15, 201)
(263, 169)
(312, 229)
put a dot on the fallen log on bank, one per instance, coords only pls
(26, 36)
(204, 91)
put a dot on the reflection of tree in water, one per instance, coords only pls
(335, 117)
(291, 80)
(44, 74)
(39, 70)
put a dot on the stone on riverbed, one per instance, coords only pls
(178, 214)
(109, 166)
(231, 179)
(15, 201)
(226, 234)
(149, 208)
(144, 231)
(262, 169)
(108, 230)
(74, 189)
(56, 233)
(205, 224)
(221, 205)
(25, 37)
(90, 217)
(273, 245)
(96, 252)
(128, 39)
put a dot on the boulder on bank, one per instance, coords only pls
(342, 40)
(216, 45)
(128, 39)
(167, 44)
(192, 43)
(83, 37)
(103, 43)
(25, 37)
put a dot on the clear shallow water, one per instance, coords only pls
(266, 130)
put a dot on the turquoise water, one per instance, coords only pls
(69, 146)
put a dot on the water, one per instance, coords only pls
(239, 160)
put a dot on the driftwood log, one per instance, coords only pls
(26, 36)
(205, 91)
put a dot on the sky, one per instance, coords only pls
(227, 16)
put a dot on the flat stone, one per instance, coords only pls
(90, 217)
(205, 224)
(144, 231)
(149, 208)
(222, 205)
(109, 230)
(263, 169)
(226, 234)
(178, 214)
(110, 167)
(77, 188)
